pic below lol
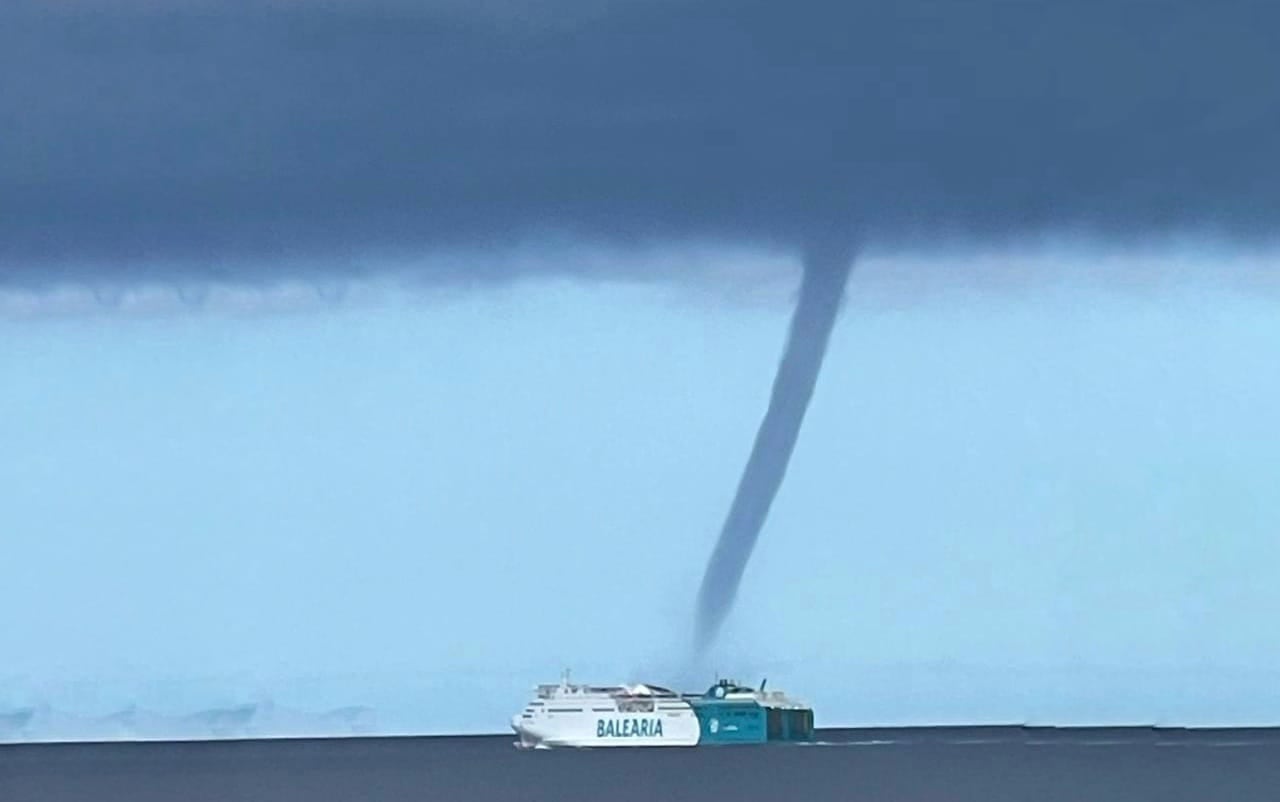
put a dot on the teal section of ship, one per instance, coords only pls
(729, 713)
(723, 722)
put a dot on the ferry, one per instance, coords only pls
(574, 715)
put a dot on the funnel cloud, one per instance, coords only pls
(826, 271)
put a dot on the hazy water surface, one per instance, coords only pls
(953, 764)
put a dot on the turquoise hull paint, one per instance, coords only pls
(730, 722)
(724, 719)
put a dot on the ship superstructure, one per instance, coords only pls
(568, 714)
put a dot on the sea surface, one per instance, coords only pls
(962, 764)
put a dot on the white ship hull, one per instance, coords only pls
(582, 716)
(600, 730)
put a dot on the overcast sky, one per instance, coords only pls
(271, 138)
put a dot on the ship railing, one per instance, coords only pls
(549, 691)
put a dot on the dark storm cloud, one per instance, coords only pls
(194, 137)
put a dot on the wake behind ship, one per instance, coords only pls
(573, 715)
